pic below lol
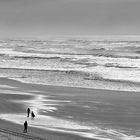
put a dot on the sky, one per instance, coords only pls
(69, 17)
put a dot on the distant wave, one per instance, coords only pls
(115, 56)
(51, 70)
(98, 53)
(2, 55)
(37, 57)
(117, 65)
(138, 51)
(100, 78)
(99, 49)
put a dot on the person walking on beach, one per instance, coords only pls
(28, 112)
(32, 115)
(25, 126)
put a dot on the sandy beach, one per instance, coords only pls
(11, 129)
(60, 114)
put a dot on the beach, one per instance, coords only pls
(69, 113)
(69, 70)
(77, 88)
(12, 125)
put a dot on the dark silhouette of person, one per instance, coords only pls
(25, 126)
(32, 115)
(28, 112)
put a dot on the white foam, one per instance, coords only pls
(14, 92)
(6, 86)
(56, 124)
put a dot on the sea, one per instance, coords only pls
(92, 63)
(73, 62)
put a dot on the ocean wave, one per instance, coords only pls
(3, 55)
(95, 52)
(100, 78)
(49, 70)
(37, 57)
(27, 53)
(115, 56)
(99, 49)
(138, 52)
(82, 74)
(116, 65)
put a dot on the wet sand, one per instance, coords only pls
(117, 111)
(16, 133)
(11, 92)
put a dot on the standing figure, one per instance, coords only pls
(28, 112)
(32, 115)
(25, 127)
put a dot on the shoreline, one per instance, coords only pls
(43, 133)
(15, 90)
(59, 86)
(10, 128)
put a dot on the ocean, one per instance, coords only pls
(88, 63)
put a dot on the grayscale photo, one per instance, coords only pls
(69, 69)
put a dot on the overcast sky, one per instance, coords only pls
(69, 17)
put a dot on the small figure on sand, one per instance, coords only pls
(25, 126)
(28, 112)
(32, 115)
